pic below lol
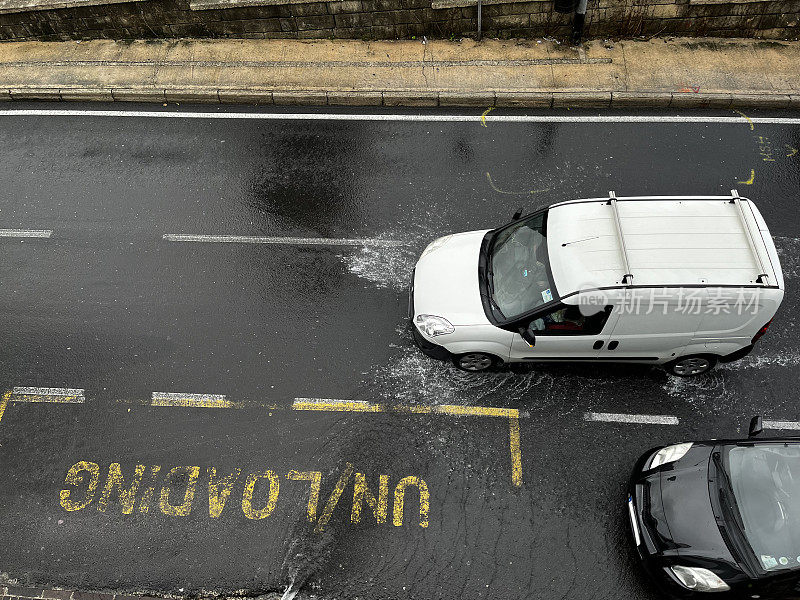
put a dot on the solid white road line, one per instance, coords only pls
(493, 118)
(248, 239)
(623, 418)
(26, 233)
(40, 394)
(190, 400)
(781, 424)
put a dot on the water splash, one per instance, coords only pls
(785, 359)
(291, 590)
(789, 253)
(413, 378)
(385, 266)
(698, 390)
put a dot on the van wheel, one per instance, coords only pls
(689, 366)
(474, 362)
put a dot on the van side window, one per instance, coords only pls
(569, 320)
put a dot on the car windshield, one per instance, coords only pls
(519, 278)
(765, 481)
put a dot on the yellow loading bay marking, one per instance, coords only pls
(512, 414)
(323, 405)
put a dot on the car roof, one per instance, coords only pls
(657, 241)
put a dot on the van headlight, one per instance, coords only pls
(669, 454)
(698, 579)
(432, 325)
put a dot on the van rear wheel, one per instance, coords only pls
(689, 366)
(474, 362)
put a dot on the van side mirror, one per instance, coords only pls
(756, 427)
(526, 335)
(517, 215)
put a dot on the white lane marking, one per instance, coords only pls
(623, 418)
(191, 400)
(402, 117)
(781, 424)
(40, 394)
(249, 239)
(42, 391)
(26, 233)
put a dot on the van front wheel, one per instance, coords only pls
(689, 366)
(474, 362)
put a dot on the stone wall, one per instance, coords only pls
(382, 19)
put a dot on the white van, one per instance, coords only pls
(681, 282)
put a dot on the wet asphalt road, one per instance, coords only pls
(109, 306)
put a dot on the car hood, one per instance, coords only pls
(687, 510)
(446, 279)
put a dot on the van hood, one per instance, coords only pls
(446, 279)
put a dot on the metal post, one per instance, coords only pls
(577, 22)
(480, 5)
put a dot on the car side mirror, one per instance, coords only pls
(756, 427)
(517, 215)
(526, 335)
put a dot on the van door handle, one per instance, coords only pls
(613, 345)
(598, 344)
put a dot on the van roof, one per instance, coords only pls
(657, 241)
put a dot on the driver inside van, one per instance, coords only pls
(568, 318)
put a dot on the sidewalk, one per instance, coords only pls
(525, 73)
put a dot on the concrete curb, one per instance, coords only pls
(414, 98)
(23, 593)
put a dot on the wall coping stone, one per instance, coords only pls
(17, 6)
(464, 3)
(217, 4)
(700, 2)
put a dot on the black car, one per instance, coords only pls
(720, 516)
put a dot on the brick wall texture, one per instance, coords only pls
(389, 19)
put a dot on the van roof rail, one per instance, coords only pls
(627, 278)
(763, 275)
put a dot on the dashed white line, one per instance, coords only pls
(42, 394)
(26, 233)
(297, 241)
(426, 118)
(625, 418)
(794, 425)
(190, 400)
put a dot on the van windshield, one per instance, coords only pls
(765, 481)
(519, 271)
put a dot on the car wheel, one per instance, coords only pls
(475, 362)
(689, 366)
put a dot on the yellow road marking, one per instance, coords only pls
(326, 404)
(327, 512)
(47, 398)
(516, 453)
(751, 180)
(416, 410)
(499, 191)
(314, 404)
(476, 411)
(190, 400)
(453, 410)
(4, 403)
(483, 116)
(752, 127)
